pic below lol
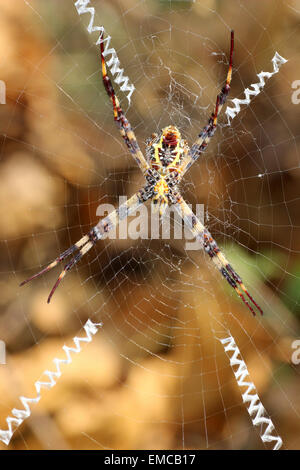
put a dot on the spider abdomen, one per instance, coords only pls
(165, 151)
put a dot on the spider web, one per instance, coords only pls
(156, 374)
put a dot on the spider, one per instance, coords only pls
(168, 157)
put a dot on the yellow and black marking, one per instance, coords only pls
(160, 198)
(170, 137)
(166, 155)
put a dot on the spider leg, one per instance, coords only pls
(208, 131)
(96, 233)
(211, 248)
(120, 118)
(77, 246)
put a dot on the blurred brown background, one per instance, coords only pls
(155, 376)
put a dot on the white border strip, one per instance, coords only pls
(257, 87)
(20, 415)
(113, 64)
(255, 408)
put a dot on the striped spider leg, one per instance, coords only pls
(120, 118)
(209, 130)
(211, 248)
(96, 233)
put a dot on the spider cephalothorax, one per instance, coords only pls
(168, 157)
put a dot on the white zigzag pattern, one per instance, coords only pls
(113, 63)
(255, 408)
(20, 415)
(257, 87)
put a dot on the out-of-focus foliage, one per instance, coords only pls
(156, 365)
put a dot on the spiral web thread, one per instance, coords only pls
(113, 63)
(255, 408)
(20, 415)
(257, 87)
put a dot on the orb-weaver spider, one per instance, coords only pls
(168, 157)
